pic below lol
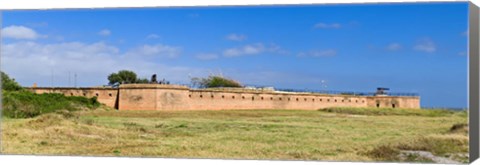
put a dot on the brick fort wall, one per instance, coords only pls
(175, 97)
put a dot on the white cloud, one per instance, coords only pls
(322, 25)
(208, 56)
(425, 45)
(317, 53)
(32, 62)
(20, 32)
(153, 36)
(236, 37)
(157, 50)
(252, 49)
(394, 47)
(105, 32)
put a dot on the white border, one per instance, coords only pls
(70, 4)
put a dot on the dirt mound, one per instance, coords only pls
(459, 128)
(46, 121)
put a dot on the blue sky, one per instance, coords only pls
(419, 48)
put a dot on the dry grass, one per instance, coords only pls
(443, 145)
(237, 134)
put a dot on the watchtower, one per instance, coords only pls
(381, 91)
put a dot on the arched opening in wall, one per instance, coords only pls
(393, 105)
(343, 100)
(233, 97)
(297, 99)
(320, 100)
(289, 99)
(328, 100)
(223, 96)
(110, 94)
(313, 100)
(84, 94)
(335, 100)
(378, 105)
(261, 98)
(280, 98)
(271, 98)
(201, 96)
(96, 94)
(243, 97)
(349, 101)
(304, 99)
(363, 101)
(190, 96)
(253, 98)
(211, 96)
(71, 94)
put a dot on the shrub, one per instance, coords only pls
(125, 77)
(215, 81)
(9, 84)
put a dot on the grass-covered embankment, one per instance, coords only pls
(18, 102)
(25, 104)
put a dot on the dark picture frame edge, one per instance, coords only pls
(474, 81)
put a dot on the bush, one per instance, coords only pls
(9, 84)
(215, 81)
(25, 104)
(125, 77)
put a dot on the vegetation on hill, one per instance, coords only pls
(25, 104)
(20, 103)
(215, 81)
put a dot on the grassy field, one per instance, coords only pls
(329, 134)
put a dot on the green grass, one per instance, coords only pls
(25, 104)
(236, 134)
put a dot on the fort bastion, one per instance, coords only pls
(176, 97)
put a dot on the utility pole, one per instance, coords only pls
(69, 80)
(75, 80)
(52, 79)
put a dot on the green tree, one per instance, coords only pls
(142, 81)
(122, 77)
(214, 81)
(9, 84)
(125, 77)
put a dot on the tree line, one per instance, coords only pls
(130, 77)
